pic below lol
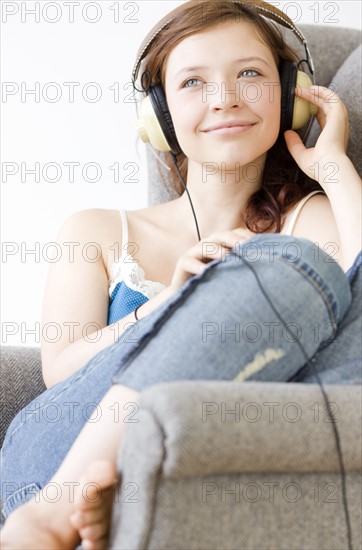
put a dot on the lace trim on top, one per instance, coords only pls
(130, 271)
(134, 277)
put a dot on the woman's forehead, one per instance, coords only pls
(215, 41)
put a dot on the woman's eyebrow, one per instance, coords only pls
(242, 60)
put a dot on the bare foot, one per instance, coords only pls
(93, 504)
(28, 527)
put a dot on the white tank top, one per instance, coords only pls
(134, 276)
(289, 229)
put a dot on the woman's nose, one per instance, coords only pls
(223, 94)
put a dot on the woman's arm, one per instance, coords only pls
(76, 298)
(75, 311)
(328, 163)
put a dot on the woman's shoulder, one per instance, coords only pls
(315, 221)
(90, 231)
(84, 219)
(293, 214)
(308, 214)
(104, 227)
(101, 215)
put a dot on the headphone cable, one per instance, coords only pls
(327, 404)
(187, 191)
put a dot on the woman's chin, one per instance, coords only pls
(234, 162)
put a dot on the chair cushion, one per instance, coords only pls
(21, 381)
(347, 83)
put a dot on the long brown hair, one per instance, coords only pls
(283, 184)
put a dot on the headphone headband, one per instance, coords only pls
(261, 7)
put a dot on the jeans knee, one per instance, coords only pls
(269, 251)
(267, 247)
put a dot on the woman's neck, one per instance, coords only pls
(218, 196)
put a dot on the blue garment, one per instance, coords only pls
(123, 301)
(129, 288)
(215, 327)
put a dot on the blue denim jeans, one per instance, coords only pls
(251, 316)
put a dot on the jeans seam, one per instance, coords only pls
(12, 499)
(320, 290)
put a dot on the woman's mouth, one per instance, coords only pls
(229, 128)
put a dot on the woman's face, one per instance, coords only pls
(219, 76)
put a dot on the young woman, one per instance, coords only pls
(248, 227)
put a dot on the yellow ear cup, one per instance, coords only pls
(303, 109)
(149, 128)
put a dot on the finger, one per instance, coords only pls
(321, 118)
(324, 95)
(294, 143)
(318, 94)
(192, 265)
(324, 98)
(230, 238)
(328, 102)
(212, 247)
(208, 253)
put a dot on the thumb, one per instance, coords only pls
(294, 143)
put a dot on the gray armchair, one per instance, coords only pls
(225, 465)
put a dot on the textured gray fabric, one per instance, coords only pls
(347, 83)
(248, 445)
(21, 381)
(190, 508)
(330, 47)
(138, 486)
(260, 515)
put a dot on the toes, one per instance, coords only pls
(101, 544)
(94, 492)
(94, 532)
(93, 504)
(80, 519)
(100, 476)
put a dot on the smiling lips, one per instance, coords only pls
(230, 128)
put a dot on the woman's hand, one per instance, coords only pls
(216, 246)
(332, 142)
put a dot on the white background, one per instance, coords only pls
(39, 130)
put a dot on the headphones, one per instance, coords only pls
(154, 122)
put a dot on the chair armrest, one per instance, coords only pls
(228, 427)
(21, 381)
(186, 434)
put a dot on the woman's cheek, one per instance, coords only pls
(271, 105)
(185, 131)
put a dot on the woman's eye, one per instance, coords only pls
(190, 80)
(256, 73)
